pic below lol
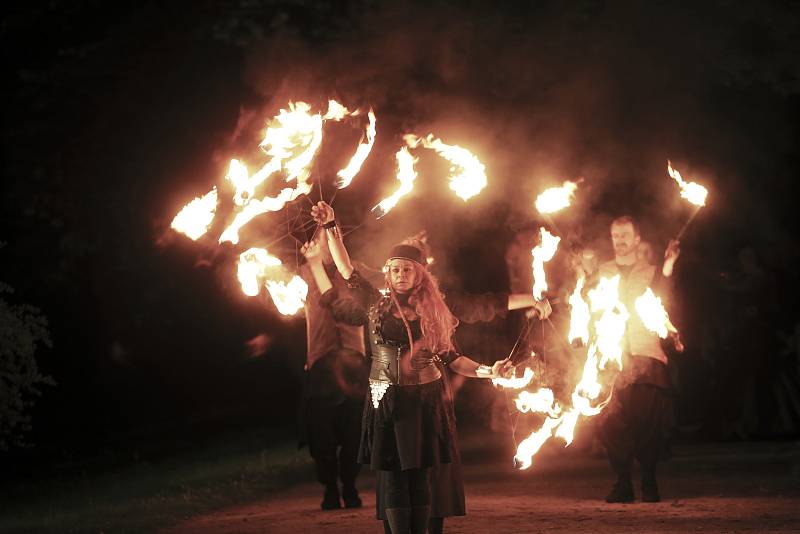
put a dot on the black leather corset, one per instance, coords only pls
(391, 362)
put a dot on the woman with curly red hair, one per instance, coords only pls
(408, 424)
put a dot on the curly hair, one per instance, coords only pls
(437, 322)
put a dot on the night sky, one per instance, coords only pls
(117, 114)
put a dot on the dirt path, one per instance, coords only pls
(719, 488)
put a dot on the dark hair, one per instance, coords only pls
(627, 219)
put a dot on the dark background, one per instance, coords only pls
(116, 115)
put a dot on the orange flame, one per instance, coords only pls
(542, 253)
(531, 445)
(609, 330)
(691, 191)
(364, 148)
(406, 174)
(516, 382)
(610, 327)
(195, 218)
(556, 198)
(579, 314)
(467, 173)
(288, 291)
(542, 401)
(653, 315)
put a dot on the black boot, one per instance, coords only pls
(399, 520)
(386, 528)
(419, 519)
(621, 492)
(436, 525)
(650, 488)
(350, 497)
(330, 500)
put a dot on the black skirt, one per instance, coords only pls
(412, 428)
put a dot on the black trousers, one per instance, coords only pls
(637, 425)
(334, 431)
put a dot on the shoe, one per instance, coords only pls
(351, 498)
(650, 490)
(621, 492)
(330, 500)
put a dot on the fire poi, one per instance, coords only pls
(291, 142)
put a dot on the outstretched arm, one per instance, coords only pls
(517, 301)
(325, 217)
(468, 367)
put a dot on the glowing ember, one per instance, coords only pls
(346, 175)
(467, 174)
(406, 174)
(691, 191)
(196, 216)
(516, 382)
(288, 291)
(556, 198)
(653, 315)
(579, 315)
(542, 253)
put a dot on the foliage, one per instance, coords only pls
(23, 329)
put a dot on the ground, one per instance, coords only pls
(729, 487)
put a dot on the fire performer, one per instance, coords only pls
(639, 416)
(335, 384)
(408, 426)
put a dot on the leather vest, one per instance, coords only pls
(391, 361)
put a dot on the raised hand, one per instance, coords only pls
(322, 212)
(312, 251)
(543, 308)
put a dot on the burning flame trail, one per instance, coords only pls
(364, 148)
(580, 316)
(406, 174)
(195, 218)
(609, 330)
(653, 315)
(467, 173)
(542, 253)
(556, 198)
(288, 291)
(515, 382)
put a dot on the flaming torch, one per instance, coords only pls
(693, 192)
